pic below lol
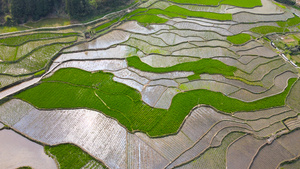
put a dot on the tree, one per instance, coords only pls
(77, 8)
(17, 8)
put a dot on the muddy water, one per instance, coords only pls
(17, 151)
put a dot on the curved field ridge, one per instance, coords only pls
(80, 89)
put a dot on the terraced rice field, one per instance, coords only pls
(164, 84)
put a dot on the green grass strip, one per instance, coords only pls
(139, 10)
(143, 15)
(241, 3)
(69, 156)
(200, 14)
(268, 29)
(74, 88)
(290, 22)
(201, 66)
(198, 2)
(239, 38)
(39, 73)
(106, 25)
(278, 4)
(165, 12)
(18, 40)
(147, 19)
(194, 77)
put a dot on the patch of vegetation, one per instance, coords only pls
(290, 22)
(147, 19)
(39, 73)
(18, 40)
(215, 157)
(13, 54)
(75, 88)
(201, 66)
(25, 167)
(137, 11)
(33, 62)
(245, 4)
(49, 22)
(198, 2)
(106, 25)
(69, 156)
(268, 29)
(165, 12)
(239, 38)
(200, 14)
(143, 15)
(278, 4)
(194, 77)
(7, 29)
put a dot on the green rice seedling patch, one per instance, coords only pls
(215, 157)
(194, 77)
(106, 25)
(150, 16)
(170, 14)
(148, 19)
(39, 73)
(74, 88)
(18, 40)
(7, 29)
(69, 156)
(137, 11)
(49, 22)
(268, 29)
(243, 3)
(290, 22)
(239, 38)
(198, 2)
(200, 14)
(201, 66)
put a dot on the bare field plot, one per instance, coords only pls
(278, 150)
(241, 152)
(293, 123)
(214, 157)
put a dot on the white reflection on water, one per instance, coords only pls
(17, 151)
